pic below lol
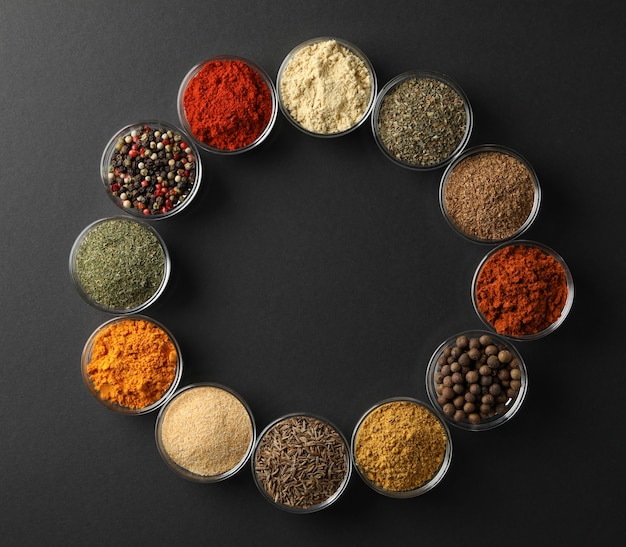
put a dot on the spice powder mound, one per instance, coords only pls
(521, 290)
(326, 88)
(301, 462)
(206, 430)
(133, 363)
(400, 446)
(489, 195)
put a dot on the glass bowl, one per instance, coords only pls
(108, 378)
(319, 117)
(297, 448)
(151, 170)
(478, 380)
(489, 194)
(400, 127)
(408, 459)
(205, 432)
(220, 134)
(119, 265)
(523, 309)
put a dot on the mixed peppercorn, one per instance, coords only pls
(152, 170)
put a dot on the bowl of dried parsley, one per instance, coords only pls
(301, 463)
(119, 265)
(490, 194)
(151, 169)
(422, 120)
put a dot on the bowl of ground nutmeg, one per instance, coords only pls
(422, 120)
(477, 379)
(326, 87)
(401, 448)
(205, 432)
(132, 364)
(151, 170)
(490, 194)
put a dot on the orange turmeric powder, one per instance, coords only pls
(133, 363)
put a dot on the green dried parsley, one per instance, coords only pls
(120, 264)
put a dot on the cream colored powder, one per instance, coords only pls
(326, 87)
(206, 430)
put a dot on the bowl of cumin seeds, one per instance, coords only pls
(301, 463)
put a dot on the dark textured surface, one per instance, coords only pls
(309, 275)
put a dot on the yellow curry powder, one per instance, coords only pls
(400, 445)
(133, 363)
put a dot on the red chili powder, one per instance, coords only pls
(521, 290)
(227, 104)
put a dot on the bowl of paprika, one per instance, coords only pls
(522, 290)
(151, 170)
(132, 364)
(228, 104)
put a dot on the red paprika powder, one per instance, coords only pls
(521, 290)
(227, 104)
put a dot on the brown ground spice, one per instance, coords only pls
(489, 195)
(400, 445)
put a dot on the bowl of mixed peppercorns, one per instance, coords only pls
(478, 380)
(151, 170)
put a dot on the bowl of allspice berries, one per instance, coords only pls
(477, 379)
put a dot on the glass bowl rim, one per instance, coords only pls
(85, 360)
(491, 423)
(438, 475)
(182, 117)
(422, 74)
(107, 153)
(485, 148)
(328, 501)
(185, 473)
(569, 302)
(353, 49)
(119, 311)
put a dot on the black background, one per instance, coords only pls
(310, 274)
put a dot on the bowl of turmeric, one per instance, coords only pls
(132, 364)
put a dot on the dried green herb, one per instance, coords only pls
(301, 461)
(120, 264)
(422, 121)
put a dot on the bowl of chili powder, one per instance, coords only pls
(151, 169)
(522, 290)
(227, 104)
